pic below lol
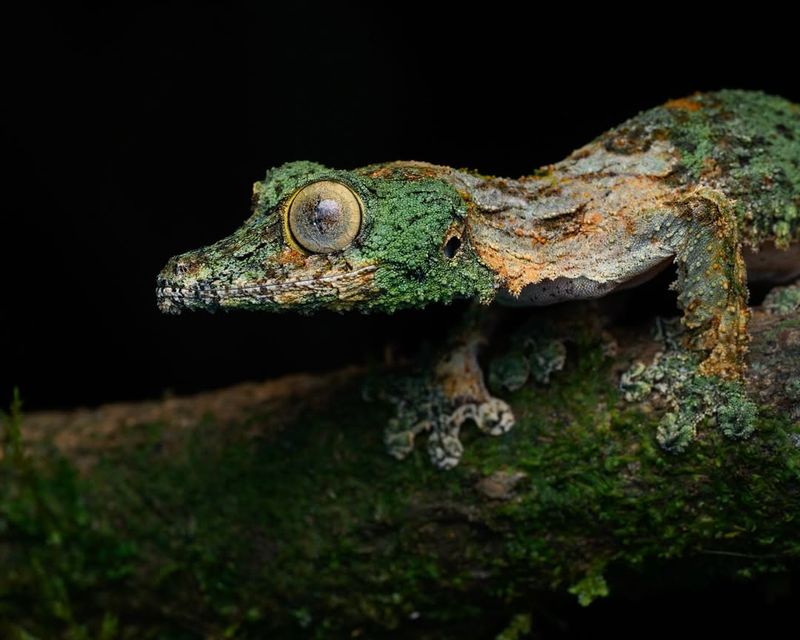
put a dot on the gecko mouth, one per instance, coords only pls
(174, 297)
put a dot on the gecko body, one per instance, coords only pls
(710, 182)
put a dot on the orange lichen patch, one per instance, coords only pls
(466, 196)
(583, 152)
(727, 357)
(356, 288)
(551, 189)
(629, 222)
(408, 170)
(619, 144)
(291, 256)
(542, 172)
(590, 223)
(459, 374)
(685, 104)
(513, 271)
(381, 172)
(693, 305)
(710, 169)
(290, 296)
(592, 218)
(546, 241)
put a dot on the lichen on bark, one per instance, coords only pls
(273, 511)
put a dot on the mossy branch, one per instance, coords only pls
(271, 510)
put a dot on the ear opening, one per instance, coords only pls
(452, 246)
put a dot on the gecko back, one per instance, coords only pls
(743, 143)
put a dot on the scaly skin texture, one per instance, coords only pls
(705, 181)
(395, 262)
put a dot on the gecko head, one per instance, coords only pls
(379, 238)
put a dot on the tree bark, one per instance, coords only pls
(272, 510)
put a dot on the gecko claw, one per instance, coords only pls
(493, 417)
(444, 447)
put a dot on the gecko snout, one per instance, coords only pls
(179, 268)
(176, 269)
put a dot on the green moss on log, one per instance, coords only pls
(313, 530)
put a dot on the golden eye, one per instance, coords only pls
(324, 216)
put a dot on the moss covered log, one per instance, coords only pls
(271, 510)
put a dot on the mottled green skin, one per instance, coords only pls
(408, 220)
(783, 300)
(689, 181)
(693, 400)
(744, 143)
(408, 210)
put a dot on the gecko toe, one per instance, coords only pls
(399, 437)
(444, 447)
(494, 416)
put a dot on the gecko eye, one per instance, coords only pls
(324, 216)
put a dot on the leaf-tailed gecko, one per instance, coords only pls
(710, 182)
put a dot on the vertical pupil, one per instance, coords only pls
(327, 214)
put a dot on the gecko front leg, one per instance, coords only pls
(712, 286)
(704, 378)
(450, 394)
(402, 235)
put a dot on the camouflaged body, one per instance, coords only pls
(745, 144)
(593, 217)
(598, 220)
(710, 183)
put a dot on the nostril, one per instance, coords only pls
(180, 269)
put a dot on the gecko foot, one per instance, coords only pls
(673, 380)
(536, 352)
(493, 417)
(439, 403)
(436, 416)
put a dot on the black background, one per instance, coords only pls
(134, 133)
